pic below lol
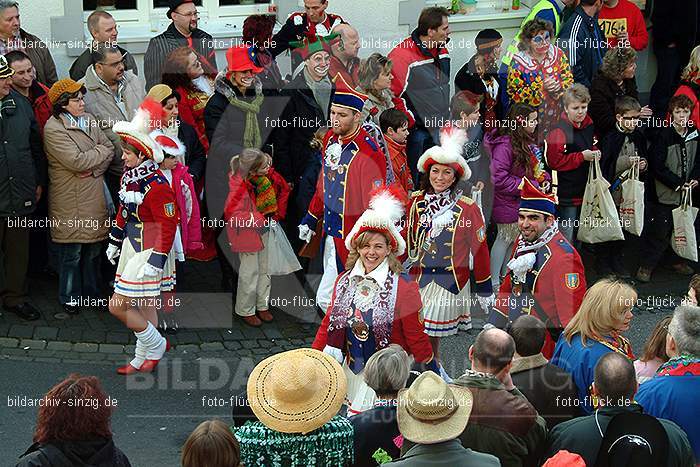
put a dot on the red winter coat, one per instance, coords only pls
(243, 220)
(407, 329)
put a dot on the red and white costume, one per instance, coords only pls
(370, 310)
(353, 166)
(446, 243)
(144, 232)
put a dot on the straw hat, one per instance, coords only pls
(296, 391)
(431, 411)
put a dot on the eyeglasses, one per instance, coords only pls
(189, 15)
(543, 38)
(76, 99)
(114, 64)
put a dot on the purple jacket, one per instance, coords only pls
(506, 178)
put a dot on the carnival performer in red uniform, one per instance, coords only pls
(446, 234)
(545, 274)
(142, 238)
(353, 165)
(373, 304)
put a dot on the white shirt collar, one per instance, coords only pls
(379, 274)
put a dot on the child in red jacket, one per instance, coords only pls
(570, 144)
(257, 197)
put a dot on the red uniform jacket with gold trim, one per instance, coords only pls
(344, 185)
(447, 260)
(557, 283)
(406, 330)
(150, 224)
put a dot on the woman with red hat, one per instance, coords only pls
(142, 238)
(233, 119)
(373, 303)
(445, 231)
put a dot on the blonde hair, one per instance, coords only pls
(577, 92)
(692, 69)
(602, 304)
(362, 240)
(249, 161)
(211, 444)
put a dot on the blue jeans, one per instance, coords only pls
(78, 270)
(568, 222)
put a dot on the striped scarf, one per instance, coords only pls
(265, 197)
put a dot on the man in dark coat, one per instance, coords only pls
(103, 29)
(22, 178)
(182, 32)
(615, 385)
(13, 37)
(545, 385)
(676, 31)
(308, 101)
(502, 423)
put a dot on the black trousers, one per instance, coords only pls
(656, 236)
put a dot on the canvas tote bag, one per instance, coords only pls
(599, 221)
(683, 240)
(632, 204)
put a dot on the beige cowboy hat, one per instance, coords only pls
(431, 411)
(296, 391)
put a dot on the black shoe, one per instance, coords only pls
(71, 309)
(25, 311)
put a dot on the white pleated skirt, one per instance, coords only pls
(445, 314)
(130, 263)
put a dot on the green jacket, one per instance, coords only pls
(582, 436)
(22, 159)
(450, 453)
(502, 423)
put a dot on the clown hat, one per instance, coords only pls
(137, 132)
(313, 43)
(449, 153)
(532, 199)
(386, 207)
(240, 58)
(347, 97)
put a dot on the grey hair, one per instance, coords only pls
(5, 4)
(685, 329)
(100, 51)
(388, 369)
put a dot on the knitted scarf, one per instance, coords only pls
(330, 446)
(265, 197)
(251, 132)
(130, 190)
(683, 365)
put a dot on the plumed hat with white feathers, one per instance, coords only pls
(449, 153)
(137, 132)
(386, 207)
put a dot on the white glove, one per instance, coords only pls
(305, 233)
(334, 352)
(148, 270)
(486, 303)
(113, 253)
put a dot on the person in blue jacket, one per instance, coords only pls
(605, 312)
